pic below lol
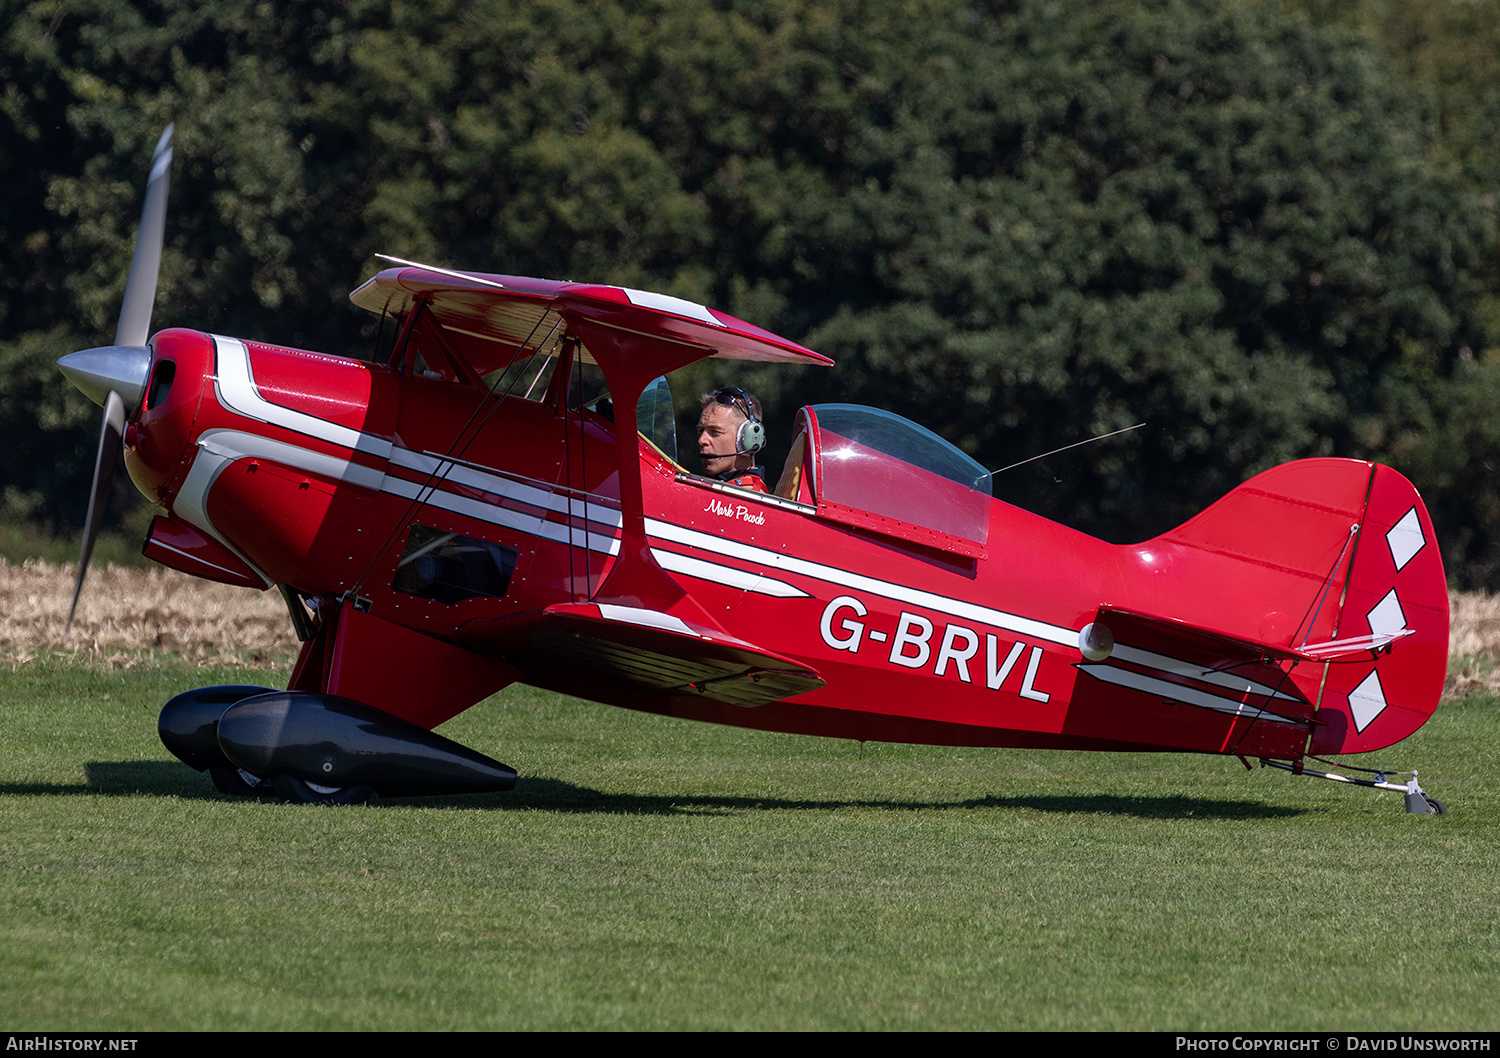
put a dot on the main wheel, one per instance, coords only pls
(236, 782)
(301, 792)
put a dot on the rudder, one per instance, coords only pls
(1395, 583)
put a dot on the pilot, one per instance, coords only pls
(730, 433)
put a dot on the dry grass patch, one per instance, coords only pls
(126, 615)
(1473, 644)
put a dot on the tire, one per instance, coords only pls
(300, 792)
(236, 782)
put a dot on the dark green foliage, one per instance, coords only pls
(1017, 223)
(1143, 212)
(50, 448)
(1449, 51)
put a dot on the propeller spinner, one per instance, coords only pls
(115, 375)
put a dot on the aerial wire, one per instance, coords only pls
(1064, 448)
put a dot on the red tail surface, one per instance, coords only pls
(1395, 585)
(1333, 566)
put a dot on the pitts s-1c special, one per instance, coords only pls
(454, 519)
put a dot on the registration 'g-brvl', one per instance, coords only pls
(461, 513)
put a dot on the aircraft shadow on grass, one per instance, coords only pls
(166, 779)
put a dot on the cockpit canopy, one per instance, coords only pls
(875, 470)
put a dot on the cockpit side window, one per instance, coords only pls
(655, 418)
(793, 483)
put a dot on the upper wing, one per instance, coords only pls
(516, 313)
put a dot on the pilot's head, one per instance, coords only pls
(730, 432)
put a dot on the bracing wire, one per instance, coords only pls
(459, 446)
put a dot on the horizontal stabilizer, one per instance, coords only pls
(1348, 649)
(1210, 691)
(645, 649)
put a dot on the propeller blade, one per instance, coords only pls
(140, 289)
(111, 441)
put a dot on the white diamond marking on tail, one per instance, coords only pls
(1366, 701)
(1405, 538)
(1387, 616)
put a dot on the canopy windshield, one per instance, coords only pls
(875, 469)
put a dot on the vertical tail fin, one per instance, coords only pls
(1330, 565)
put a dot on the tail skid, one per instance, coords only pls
(1418, 800)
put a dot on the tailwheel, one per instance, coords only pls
(237, 782)
(301, 792)
(1422, 804)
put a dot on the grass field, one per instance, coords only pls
(652, 873)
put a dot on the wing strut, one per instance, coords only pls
(630, 362)
(572, 348)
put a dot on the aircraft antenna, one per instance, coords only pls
(1064, 448)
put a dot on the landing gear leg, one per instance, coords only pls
(1419, 804)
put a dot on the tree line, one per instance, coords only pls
(1265, 230)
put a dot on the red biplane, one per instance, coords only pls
(455, 517)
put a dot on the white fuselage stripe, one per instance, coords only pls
(235, 384)
(480, 510)
(1228, 680)
(1178, 693)
(968, 611)
(191, 504)
(597, 513)
(728, 576)
(238, 444)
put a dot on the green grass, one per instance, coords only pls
(651, 873)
